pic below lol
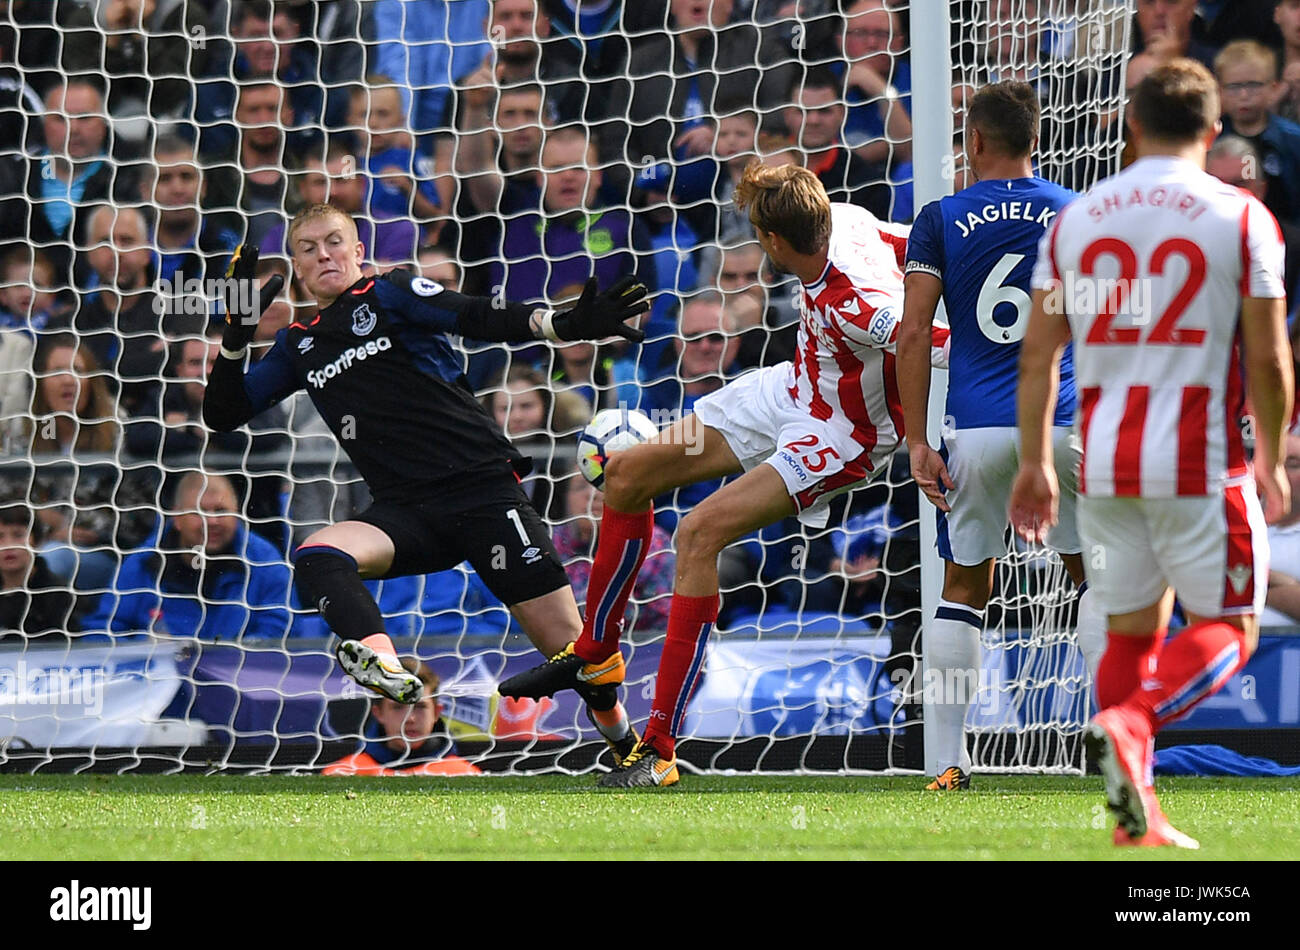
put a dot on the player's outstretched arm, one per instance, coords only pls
(921, 292)
(1035, 493)
(1270, 388)
(226, 404)
(595, 316)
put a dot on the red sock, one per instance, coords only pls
(1192, 666)
(690, 621)
(1127, 661)
(620, 551)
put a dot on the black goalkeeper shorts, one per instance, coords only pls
(492, 525)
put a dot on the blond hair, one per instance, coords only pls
(315, 213)
(789, 201)
(1243, 53)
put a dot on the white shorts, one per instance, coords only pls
(1211, 549)
(817, 459)
(983, 465)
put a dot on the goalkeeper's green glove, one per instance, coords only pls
(241, 318)
(596, 316)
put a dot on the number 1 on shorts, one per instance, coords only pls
(513, 515)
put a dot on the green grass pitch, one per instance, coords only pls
(540, 817)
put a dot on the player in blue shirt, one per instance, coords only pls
(976, 249)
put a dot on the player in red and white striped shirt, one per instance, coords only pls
(1172, 285)
(801, 432)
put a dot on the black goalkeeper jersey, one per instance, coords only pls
(382, 373)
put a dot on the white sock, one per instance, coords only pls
(954, 677)
(616, 725)
(1091, 631)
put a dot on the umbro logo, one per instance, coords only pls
(1239, 575)
(306, 343)
(532, 555)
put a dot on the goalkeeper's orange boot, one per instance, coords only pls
(565, 670)
(1116, 742)
(950, 780)
(643, 768)
(379, 671)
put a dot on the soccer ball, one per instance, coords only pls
(612, 430)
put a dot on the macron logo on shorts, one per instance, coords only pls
(319, 377)
(794, 465)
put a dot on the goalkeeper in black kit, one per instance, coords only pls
(378, 365)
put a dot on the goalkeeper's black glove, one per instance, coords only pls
(596, 316)
(241, 321)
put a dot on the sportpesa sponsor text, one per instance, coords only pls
(319, 377)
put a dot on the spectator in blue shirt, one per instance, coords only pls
(208, 577)
(46, 196)
(426, 46)
(251, 179)
(1248, 84)
(879, 83)
(401, 185)
(190, 245)
(815, 120)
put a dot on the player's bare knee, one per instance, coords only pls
(616, 482)
(699, 535)
(624, 482)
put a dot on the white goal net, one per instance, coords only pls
(508, 149)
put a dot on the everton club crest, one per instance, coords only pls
(363, 320)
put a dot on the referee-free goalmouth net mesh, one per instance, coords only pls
(139, 632)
